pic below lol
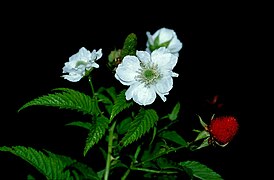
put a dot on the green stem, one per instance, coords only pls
(167, 126)
(91, 86)
(154, 171)
(110, 140)
(132, 162)
(160, 154)
(93, 94)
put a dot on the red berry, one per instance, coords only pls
(223, 128)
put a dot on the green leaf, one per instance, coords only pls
(154, 152)
(107, 96)
(52, 167)
(205, 143)
(201, 171)
(30, 177)
(120, 104)
(174, 114)
(174, 137)
(141, 124)
(165, 163)
(85, 125)
(97, 131)
(66, 99)
(202, 135)
(111, 92)
(123, 127)
(202, 122)
(85, 171)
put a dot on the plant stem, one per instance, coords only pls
(154, 171)
(93, 94)
(132, 162)
(110, 140)
(91, 86)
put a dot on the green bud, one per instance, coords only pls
(129, 47)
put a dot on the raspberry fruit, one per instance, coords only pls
(223, 129)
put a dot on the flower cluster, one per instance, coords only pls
(147, 73)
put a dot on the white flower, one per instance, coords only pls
(147, 75)
(81, 63)
(164, 37)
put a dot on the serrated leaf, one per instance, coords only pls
(85, 171)
(124, 125)
(141, 124)
(174, 137)
(107, 96)
(97, 131)
(111, 92)
(66, 99)
(201, 171)
(50, 166)
(120, 104)
(85, 125)
(174, 114)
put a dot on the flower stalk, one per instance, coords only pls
(110, 141)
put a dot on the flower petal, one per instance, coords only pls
(175, 45)
(73, 77)
(127, 70)
(164, 58)
(165, 35)
(143, 56)
(165, 84)
(141, 94)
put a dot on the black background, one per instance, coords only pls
(215, 60)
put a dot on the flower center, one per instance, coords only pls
(148, 74)
(79, 63)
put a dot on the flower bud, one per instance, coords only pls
(164, 37)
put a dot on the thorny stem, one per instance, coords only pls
(110, 140)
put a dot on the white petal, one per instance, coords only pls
(164, 58)
(173, 74)
(72, 77)
(143, 95)
(162, 95)
(143, 56)
(175, 45)
(149, 38)
(99, 54)
(95, 65)
(140, 94)
(164, 85)
(127, 70)
(165, 35)
(130, 90)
